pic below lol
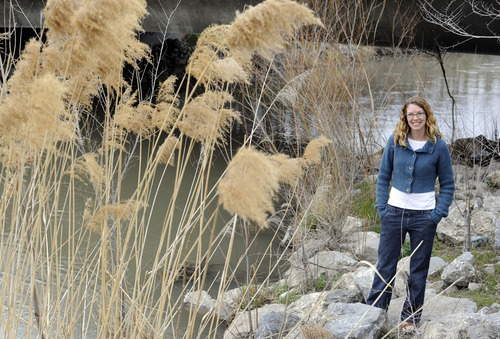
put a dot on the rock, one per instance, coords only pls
(302, 254)
(202, 301)
(309, 307)
(342, 296)
(364, 245)
(437, 286)
(363, 279)
(355, 321)
(452, 228)
(347, 282)
(489, 268)
(436, 266)
(494, 308)
(435, 307)
(204, 304)
(331, 263)
(296, 276)
(473, 326)
(475, 286)
(240, 327)
(460, 271)
(230, 301)
(493, 179)
(352, 224)
(274, 325)
(473, 151)
(403, 270)
(399, 289)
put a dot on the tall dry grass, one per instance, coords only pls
(319, 87)
(88, 274)
(67, 273)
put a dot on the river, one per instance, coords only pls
(473, 81)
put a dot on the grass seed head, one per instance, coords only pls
(166, 151)
(210, 61)
(205, 118)
(312, 153)
(249, 185)
(266, 27)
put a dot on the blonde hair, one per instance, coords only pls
(402, 128)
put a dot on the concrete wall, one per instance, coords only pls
(173, 16)
(178, 17)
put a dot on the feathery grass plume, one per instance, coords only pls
(26, 68)
(290, 93)
(266, 27)
(210, 61)
(92, 39)
(166, 151)
(312, 153)
(289, 169)
(166, 110)
(38, 116)
(13, 155)
(205, 118)
(135, 119)
(48, 114)
(249, 185)
(117, 212)
(88, 166)
(315, 332)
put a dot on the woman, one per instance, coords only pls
(415, 155)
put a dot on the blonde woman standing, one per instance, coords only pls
(415, 155)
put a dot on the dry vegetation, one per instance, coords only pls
(66, 273)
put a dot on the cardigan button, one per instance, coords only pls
(411, 167)
(409, 178)
(414, 155)
(407, 189)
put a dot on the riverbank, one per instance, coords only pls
(322, 294)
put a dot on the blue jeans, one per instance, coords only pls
(395, 224)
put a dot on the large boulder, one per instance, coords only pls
(435, 307)
(460, 271)
(240, 327)
(364, 245)
(452, 228)
(472, 326)
(474, 151)
(328, 263)
(355, 321)
(331, 263)
(363, 279)
(203, 304)
(343, 296)
(310, 307)
(353, 224)
(274, 325)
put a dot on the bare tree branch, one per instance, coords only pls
(451, 17)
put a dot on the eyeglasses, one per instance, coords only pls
(413, 115)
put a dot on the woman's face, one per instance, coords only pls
(416, 117)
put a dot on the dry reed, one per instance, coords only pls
(266, 28)
(77, 282)
(205, 118)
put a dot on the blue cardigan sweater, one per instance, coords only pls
(416, 172)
